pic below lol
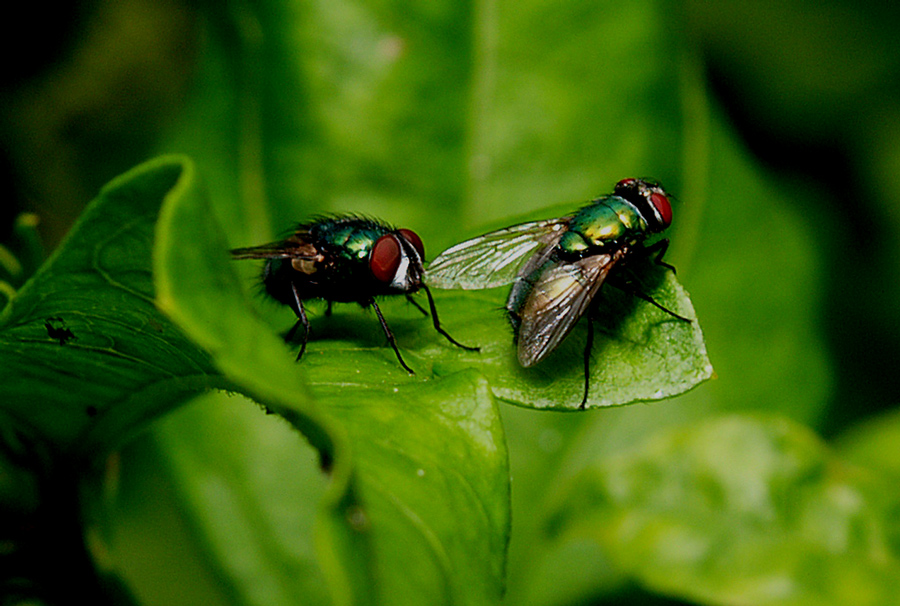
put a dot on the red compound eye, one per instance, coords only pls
(414, 239)
(625, 184)
(385, 258)
(663, 207)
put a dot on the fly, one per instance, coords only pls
(344, 259)
(557, 266)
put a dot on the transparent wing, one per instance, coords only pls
(558, 299)
(492, 259)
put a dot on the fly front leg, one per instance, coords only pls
(415, 303)
(629, 284)
(660, 249)
(437, 322)
(629, 287)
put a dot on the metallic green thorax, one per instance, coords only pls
(346, 247)
(353, 240)
(609, 221)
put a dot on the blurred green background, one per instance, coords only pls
(775, 124)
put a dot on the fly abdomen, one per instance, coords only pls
(276, 279)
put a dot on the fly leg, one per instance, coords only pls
(301, 321)
(589, 345)
(660, 249)
(390, 337)
(437, 322)
(416, 304)
(629, 287)
(628, 284)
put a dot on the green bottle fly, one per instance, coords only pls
(344, 259)
(557, 266)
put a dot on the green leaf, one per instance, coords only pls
(639, 351)
(874, 443)
(417, 505)
(85, 356)
(738, 510)
(248, 491)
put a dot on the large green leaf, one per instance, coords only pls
(738, 510)
(85, 356)
(235, 500)
(417, 505)
(639, 351)
(874, 444)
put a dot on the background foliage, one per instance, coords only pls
(773, 123)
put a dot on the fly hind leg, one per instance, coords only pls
(301, 321)
(390, 337)
(589, 345)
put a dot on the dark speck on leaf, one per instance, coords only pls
(56, 329)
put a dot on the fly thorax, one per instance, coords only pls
(573, 244)
(630, 220)
(606, 233)
(605, 222)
